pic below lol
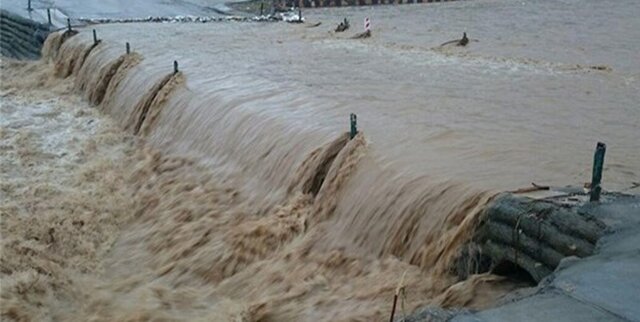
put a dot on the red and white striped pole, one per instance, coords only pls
(367, 24)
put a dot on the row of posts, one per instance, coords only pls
(30, 8)
(598, 158)
(598, 161)
(96, 41)
(127, 45)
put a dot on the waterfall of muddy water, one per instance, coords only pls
(97, 226)
(244, 199)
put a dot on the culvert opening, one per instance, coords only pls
(513, 272)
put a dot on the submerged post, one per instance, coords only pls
(300, 14)
(393, 308)
(354, 126)
(261, 9)
(95, 37)
(128, 48)
(49, 16)
(29, 5)
(69, 24)
(598, 164)
(175, 67)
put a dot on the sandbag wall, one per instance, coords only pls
(529, 235)
(21, 38)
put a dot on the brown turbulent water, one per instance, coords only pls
(230, 190)
(96, 226)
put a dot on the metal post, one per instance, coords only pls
(128, 48)
(175, 67)
(393, 308)
(49, 16)
(354, 126)
(68, 24)
(29, 5)
(598, 164)
(95, 37)
(261, 9)
(300, 13)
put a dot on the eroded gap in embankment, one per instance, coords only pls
(513, 272)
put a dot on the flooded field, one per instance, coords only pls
(231, 191)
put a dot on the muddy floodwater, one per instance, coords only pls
(230, 191)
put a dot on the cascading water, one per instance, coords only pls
(193, 226)
(239, 196)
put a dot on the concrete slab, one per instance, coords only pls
(610, 282)
(547, 306)
(434, 313)
(618, 213)
(624, 241)
(467, 318)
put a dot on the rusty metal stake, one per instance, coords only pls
(49, 16)
(598, 164)
(128, 48)
(69, 25)
(95, 38)
(175, 67)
